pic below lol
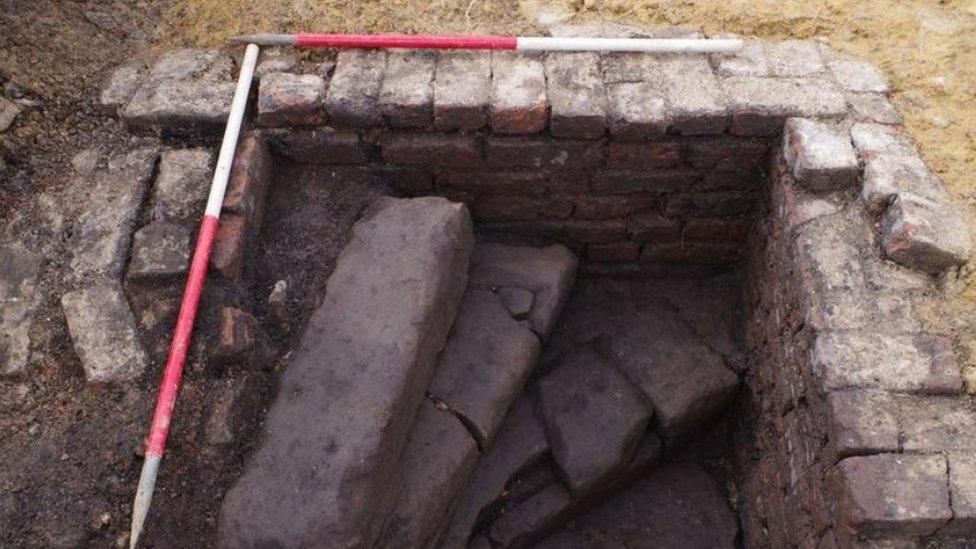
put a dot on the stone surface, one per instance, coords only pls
(354, 386)
(241, 340)
(749, 61)
(352, 99)
(594, 418)
(696, 101)
(886, 175)
(104, 333)
(862, 422)
(485, 362)
(858, 76)
(759, 106)
(228, 402)
(521, 441)
(529, 520)
(517, 301)
(873, 107)
(274, 60)
(20, 271)
(180, 107)
(407, 94)
(925, 234)
(794, 58)
(191, 64)
(547, 272)
(437, 461)
(182, 185)
(910, 363)
(637, 110)
(677, 506)
(577, 97)
(8, 113)
(103, 231)
(291, 100)
(900, 494)
(930, 424)
(518, 93)
(819, 156)
(462, 90)
(160, 250)
(119, 87)
(874, 139)
(962, 487)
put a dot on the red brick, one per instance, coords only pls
(509, 182)
(723, 229)
(409, 180)
(506, 208)
(645, 181)
(652, 227)
(691, 252)
(323, 146)
(709, 203)
(556, 208)
(595, 231)
(606, 207)
(518, 93)
(892, 494)
(645, 155)
(240, 338)
(227, 258)
(569, 181)
(727, 154)
(458, 151)
(613, 251)
(250, 177)
(519, 152)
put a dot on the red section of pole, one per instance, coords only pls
(422, 41)
(166, 400)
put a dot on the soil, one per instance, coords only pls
(69, 452)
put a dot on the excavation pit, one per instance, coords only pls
(755, 238)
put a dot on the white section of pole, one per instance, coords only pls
(645, 45)
(227, 147)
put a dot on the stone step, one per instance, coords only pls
(677, 506)
(326, 470)
(489, 355)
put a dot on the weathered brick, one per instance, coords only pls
(645, 155)
(653, 227)
(494, 181)
(275, 60)
(727, 229)
(160, 250)
(892, 494)
(635, 181)
(886, 175)
(731, 181)
(323, 146)
(507, 208)
(858, 76)
(626, 67)
(962, 487)
(577, 97)
(354, 90)
(636, 111)
(608, 230)
(696, 102)
(710, 203)
(613, 251)
(606, 207)
(759, 106)
(937, 424)
(407, 94)
(926, 234)
(873, 107)
(707, 253)
(569, 181)
(182, 185)
(191, 64)
(410, 180)
(291, 100)
(518, 98)
(875, 139)
(727, 153)
(242, 340)
(920, 363)
(517, 152)
(794, 58)
(749, 61)
(861, 422)
(432, 150)
(250, 178)
(174, 107)
(227, 258)
(819, 156)
(462, 90)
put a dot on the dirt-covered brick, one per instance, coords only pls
(518, 93)
(227, 258)
(514, 184)
(709, 203)
(606, 207)
(250, 178)
(820, 156)
(653, 227)
(462, 90)
(286, 99)
(717, 228)
(241, 340)
(645, 181)
(406, 96)
(577, 96)
(353, 95)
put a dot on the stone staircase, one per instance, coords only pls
(446, 395)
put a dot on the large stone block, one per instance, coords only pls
(180, 107)
(862, 422)
(794, 58)
(934, 424)
(104, 333)
(354, 386)
(696, 102)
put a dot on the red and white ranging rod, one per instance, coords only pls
(530, 43)
(165, 402)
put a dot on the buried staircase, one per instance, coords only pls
(445, 394)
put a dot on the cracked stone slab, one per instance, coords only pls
(104, 333)
(678, 505)
(485, 362)
(929, 235)
(353, 388)
(521, 441)
(437, 461)
(103, 231)
(20, 271)
(549, 273)
(594, 418)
